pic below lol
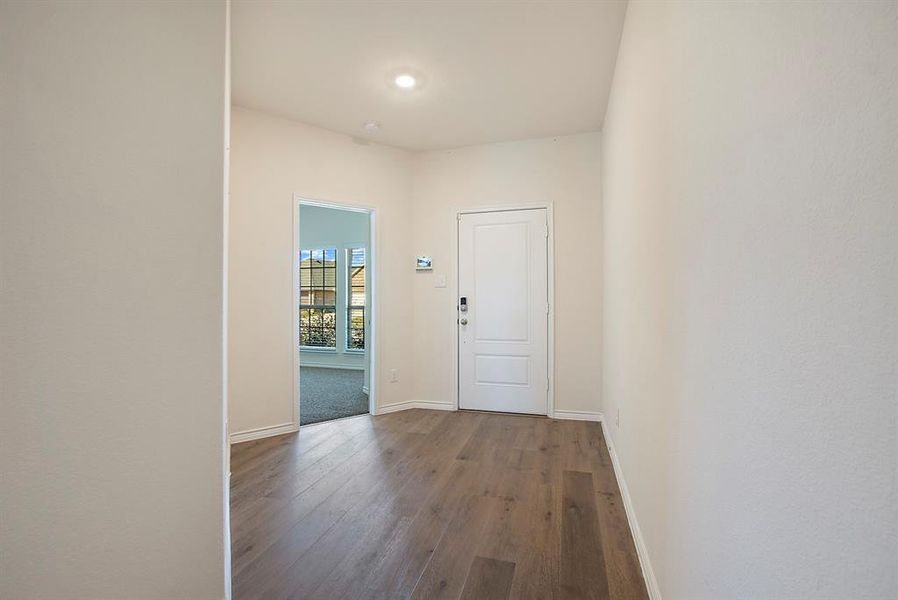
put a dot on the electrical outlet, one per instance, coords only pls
(617, 419)
(394, 375)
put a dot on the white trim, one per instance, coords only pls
(371, 276)
(295, 314)
(577, 415)
(648, 574)
(433, 405)
(327, 204)
(550, 258)
(305, 363)
(388, 408)
(263, 432)
(410, 404)
(372, 349)
(225, 250)
(550, 262)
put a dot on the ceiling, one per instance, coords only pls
(489, 71)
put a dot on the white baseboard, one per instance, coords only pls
(568, 415)
(262, 432)
(577, 415)
(306, 363)
(426, 404)
(648, 574)
(431, 405)
(389, 408)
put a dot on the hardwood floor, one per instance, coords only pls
(425, 504)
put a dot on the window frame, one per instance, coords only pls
(321, 307)
(349, 306)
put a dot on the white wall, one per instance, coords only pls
(563, 171)
(271, 158)
(751, 295)
(322, 227)
(111, 251)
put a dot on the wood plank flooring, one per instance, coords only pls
(426, 504)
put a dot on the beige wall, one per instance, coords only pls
(415, 196)
(112, 463)
(751, 285)
(562, 171)
(271, 158)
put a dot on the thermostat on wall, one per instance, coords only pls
(424, 263)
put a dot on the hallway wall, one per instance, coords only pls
(112, 426)
(751, 295)
(416, 194)
(560, 170)
(271, 158)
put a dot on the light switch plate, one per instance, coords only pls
(440, 281)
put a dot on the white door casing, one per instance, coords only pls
(503, 335)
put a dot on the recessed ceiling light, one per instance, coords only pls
(371, 126)
(405, 81)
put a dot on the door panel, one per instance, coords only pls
(501, 270)
(503, 274)
(506, 370)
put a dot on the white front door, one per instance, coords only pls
(503, 334)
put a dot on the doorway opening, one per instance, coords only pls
(333, 310)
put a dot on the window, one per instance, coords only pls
(318, 298)
(355, 304)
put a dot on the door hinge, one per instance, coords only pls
(547, 384)
(548, 308)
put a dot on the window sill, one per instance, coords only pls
(317, 349)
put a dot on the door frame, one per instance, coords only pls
(550, 318)
(371, 269)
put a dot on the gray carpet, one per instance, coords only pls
(326, 394)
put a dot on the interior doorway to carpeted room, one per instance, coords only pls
(333, 270)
